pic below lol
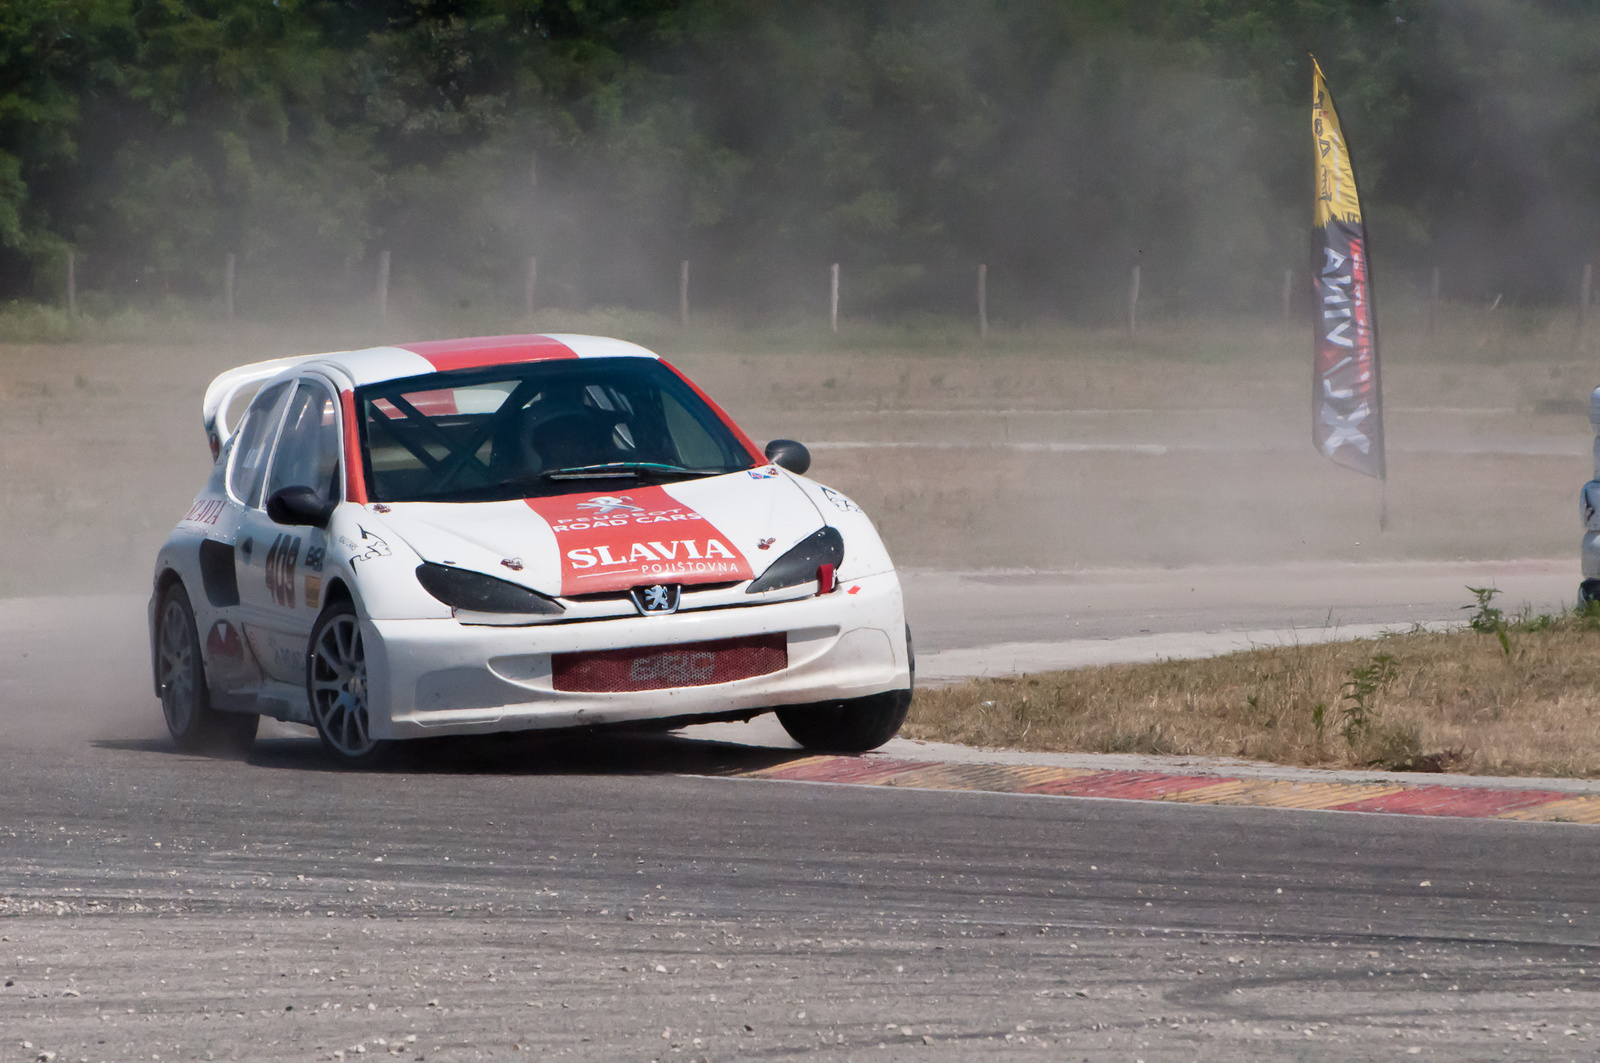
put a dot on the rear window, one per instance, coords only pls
(540, 428)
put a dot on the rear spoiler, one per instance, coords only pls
(226, 387)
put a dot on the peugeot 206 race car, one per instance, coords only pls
(510, 533)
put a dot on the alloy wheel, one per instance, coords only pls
(176, 666)
(338, 686)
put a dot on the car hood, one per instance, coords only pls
(719, 529)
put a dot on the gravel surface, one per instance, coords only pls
(606, 900)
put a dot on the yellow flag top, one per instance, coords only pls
(1336, 181)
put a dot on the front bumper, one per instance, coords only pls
(435, 677)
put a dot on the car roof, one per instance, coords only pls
(377, 364)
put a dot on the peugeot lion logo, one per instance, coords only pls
(603, 504)
(657, 600)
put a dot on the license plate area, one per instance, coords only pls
(688, 664)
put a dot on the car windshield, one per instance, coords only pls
(539, 428)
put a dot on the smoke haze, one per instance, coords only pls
(1058, 144)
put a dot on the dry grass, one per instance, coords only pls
(1457, 702)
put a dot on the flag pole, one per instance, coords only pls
(1377, 360)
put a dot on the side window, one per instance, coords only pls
(250, 450)
(308, 448)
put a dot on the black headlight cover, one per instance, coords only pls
(462, 589)
(799, 565)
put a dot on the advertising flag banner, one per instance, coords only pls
(1347, 397)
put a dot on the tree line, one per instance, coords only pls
(1058, 141)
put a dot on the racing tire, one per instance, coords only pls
(911, 656)
(336, 686)
(853, 725)
(181, 678)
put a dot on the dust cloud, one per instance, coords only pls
(1057, 146)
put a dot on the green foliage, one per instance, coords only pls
(1059, 143)
(1488, 618)
(1359, 698)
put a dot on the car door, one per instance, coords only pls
(233, 669)
(280, 574)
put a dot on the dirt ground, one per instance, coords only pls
(1055, 452)
(154, 905)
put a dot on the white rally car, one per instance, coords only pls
(508, 533)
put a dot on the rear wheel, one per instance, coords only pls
(181, 677)
(336, 683)
(853, 725)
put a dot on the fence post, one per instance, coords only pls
(983, 301)
(531, 284)
(1288, 290)
(833, 299)
(683, 293)
(227, 286)
(383, 287)
(1133, 304)
(72, 284)
(1433, 302)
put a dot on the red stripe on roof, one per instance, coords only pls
(489, 350)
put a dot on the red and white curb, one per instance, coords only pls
(1405, 799)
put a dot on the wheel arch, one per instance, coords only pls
(164, 581)
(338, 591)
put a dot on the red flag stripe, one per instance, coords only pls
(498, 350)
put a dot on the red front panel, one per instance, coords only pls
(690, 664)
(614, 542)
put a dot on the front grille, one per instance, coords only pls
(622, 595)
(689, 664)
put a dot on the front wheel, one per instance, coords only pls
(336, 683)
(181, 677)
(853, 725)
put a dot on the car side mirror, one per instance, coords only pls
(299, 505)
(787, 454)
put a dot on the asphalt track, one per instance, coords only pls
(644, 898)
(982, 622)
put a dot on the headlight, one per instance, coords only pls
(473, 591)
(801, 564)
